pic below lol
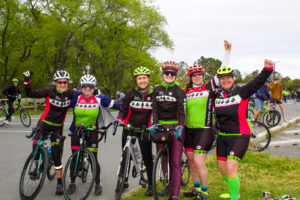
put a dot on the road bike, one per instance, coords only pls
(270, 117)
(81, 165)
(24, 114)
(38, 165)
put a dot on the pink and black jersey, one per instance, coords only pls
(231, 107)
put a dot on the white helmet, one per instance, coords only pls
(88, 80)
(61, 74)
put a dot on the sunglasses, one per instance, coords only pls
(170, 73)
(88, 86)
(196, 74)
(62, 82)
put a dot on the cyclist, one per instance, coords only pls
(168, 110)
(58, 99)
(234, 131)
(261, 95)
(276, 95)
(199, 134)
(89, 109)
(136, 110)
(11, 93)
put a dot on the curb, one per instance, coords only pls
(284, 125)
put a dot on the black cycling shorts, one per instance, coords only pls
(278, 101)
(198, 140)
(232, 147)
(91, 142)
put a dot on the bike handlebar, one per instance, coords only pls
(35, 130)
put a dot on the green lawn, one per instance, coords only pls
(258, 172)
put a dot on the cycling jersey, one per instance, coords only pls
(231, 108)
(57, 103)
(200, 100)
(168, 104)
(136, 108)
(11, 92)
(90, 111)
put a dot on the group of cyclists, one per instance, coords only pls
(192, 114)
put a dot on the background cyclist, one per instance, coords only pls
(11, 93)
(234, 131)
(136, 110)
(58, 99)
(168, 110)
(89, 110)
(261, 95)
(199, 135)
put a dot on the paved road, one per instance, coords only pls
(15, 148)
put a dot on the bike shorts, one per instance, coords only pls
(259, 104)
(56, 147)
(278, 101)
(232, 147)
(198, 140)
(92, 141)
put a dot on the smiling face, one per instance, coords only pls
(62, 84)
(226, 82)
(15, 84)
(169, 77)
(142, 81)
(87, 90)
(197, 78)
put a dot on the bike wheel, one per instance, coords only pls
(122, 173)
(272, 119)
(186, 172)
(81, 171)
(33, 175)
(260, 137)
(25, 117)
(250, 113)
(2, 117)
(51, 171)
(161, 169)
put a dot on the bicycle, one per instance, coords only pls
(284, 197)
(24, 114)
(81, 165)
(38, 165)
(260, 137)
(128, 154)
(161, 168)
(270, 117)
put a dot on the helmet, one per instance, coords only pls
(141, 71)
(195, 68)
(225, 71)
(170, 66)
(61, 74)
(15, 80)
(88, 80)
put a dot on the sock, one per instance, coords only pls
(204, 188)
(234, 187)
(59, 181)
(197, 185)
(225, 178)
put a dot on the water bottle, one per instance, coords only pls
(49, 151)
(137, 153)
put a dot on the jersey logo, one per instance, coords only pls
(165, 98)
(141, 105)
(228, 102)
(57, 103)
(136, 98)
(195, 95)
(87, 106)
(231, 153)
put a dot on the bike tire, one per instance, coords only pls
(273, 119)
(159, 179)
(2, 117)
(186, 172)
(260, 137)
(42, 154)
(250, 113)
(122, 172)
(86, 165)
(51, 171)
(25, 117)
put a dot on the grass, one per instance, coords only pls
(258, 172)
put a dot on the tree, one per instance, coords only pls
(210, 65)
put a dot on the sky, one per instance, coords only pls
(257, 29)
